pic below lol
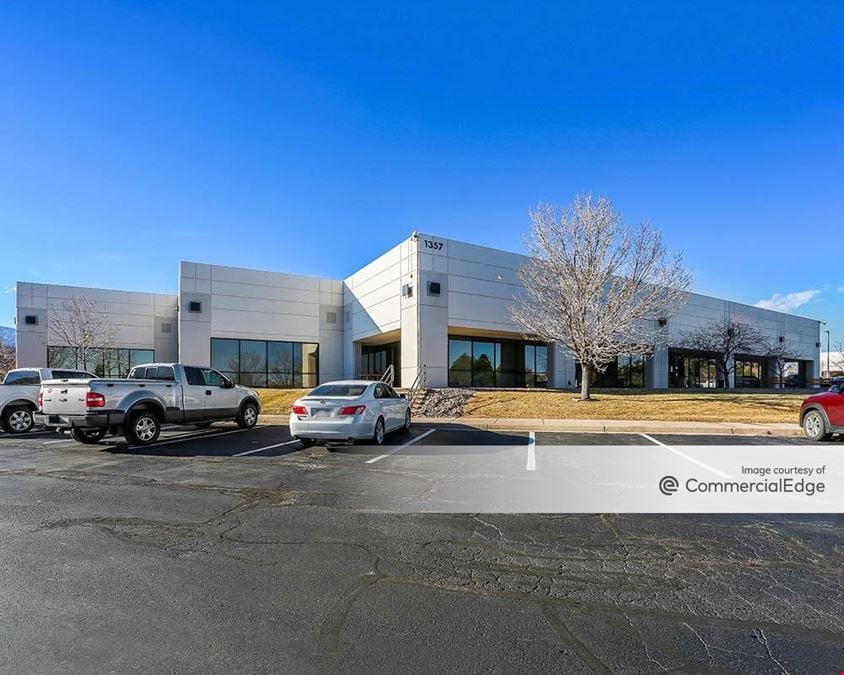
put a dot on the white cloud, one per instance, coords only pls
(9, 290)
(841, 289)
(787, 302)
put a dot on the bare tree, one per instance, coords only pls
(79, 323)
(7, 358)
(596, 286)
(725, 338)
(782, 356)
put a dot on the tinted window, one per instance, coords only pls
(213, 378)
(339, 390)
(225, 354)
(194, 376)
(70, 375)
(25, 377)
(61, 357)
(261, 363)
(143, 373)
(379, 391)
(166, 374)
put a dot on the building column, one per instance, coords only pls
(656, 368)
(731, 374)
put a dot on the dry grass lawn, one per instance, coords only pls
(687, 406)
(278, 401)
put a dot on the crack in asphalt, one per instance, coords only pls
(605, 567)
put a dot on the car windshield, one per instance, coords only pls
(339, 390)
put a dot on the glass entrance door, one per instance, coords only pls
(375, 359)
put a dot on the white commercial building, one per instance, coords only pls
(428, 302)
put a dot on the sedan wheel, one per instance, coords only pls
(378, 436)
(814, 426)
(407, 420)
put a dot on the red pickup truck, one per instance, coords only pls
(822, 415)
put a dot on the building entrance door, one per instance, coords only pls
(375, 359)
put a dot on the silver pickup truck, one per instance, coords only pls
(153, 393)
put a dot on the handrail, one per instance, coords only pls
(389, 375)
(419, 383)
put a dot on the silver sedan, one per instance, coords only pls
(349, 410)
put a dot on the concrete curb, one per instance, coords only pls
(605, 426)
(625, 426)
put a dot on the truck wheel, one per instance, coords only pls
(17, 420)
(143, 428)
(814, 426)
(87, 436)
(248, 416)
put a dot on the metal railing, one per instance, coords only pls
(389, 375)
(419, 384)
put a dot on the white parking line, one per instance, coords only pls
(269, 447)
(531, 453)
(400, 447)
(717, 472)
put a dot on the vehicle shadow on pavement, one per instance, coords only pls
(217, 441)
(426, 439)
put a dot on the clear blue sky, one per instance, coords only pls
(311, 137)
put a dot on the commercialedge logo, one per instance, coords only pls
(668, 485)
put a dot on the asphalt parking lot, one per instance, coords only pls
(221, 549)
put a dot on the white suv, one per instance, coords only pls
(19, 395)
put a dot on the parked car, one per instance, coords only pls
(153, 393)
(19, 395)
(349, 410)
(822, 415)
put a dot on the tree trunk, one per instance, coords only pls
(585, 377)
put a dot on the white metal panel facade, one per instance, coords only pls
(141, 320)
(390, 299)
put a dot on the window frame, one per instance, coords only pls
(526, 378)
(124, 366)
(293, 355)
